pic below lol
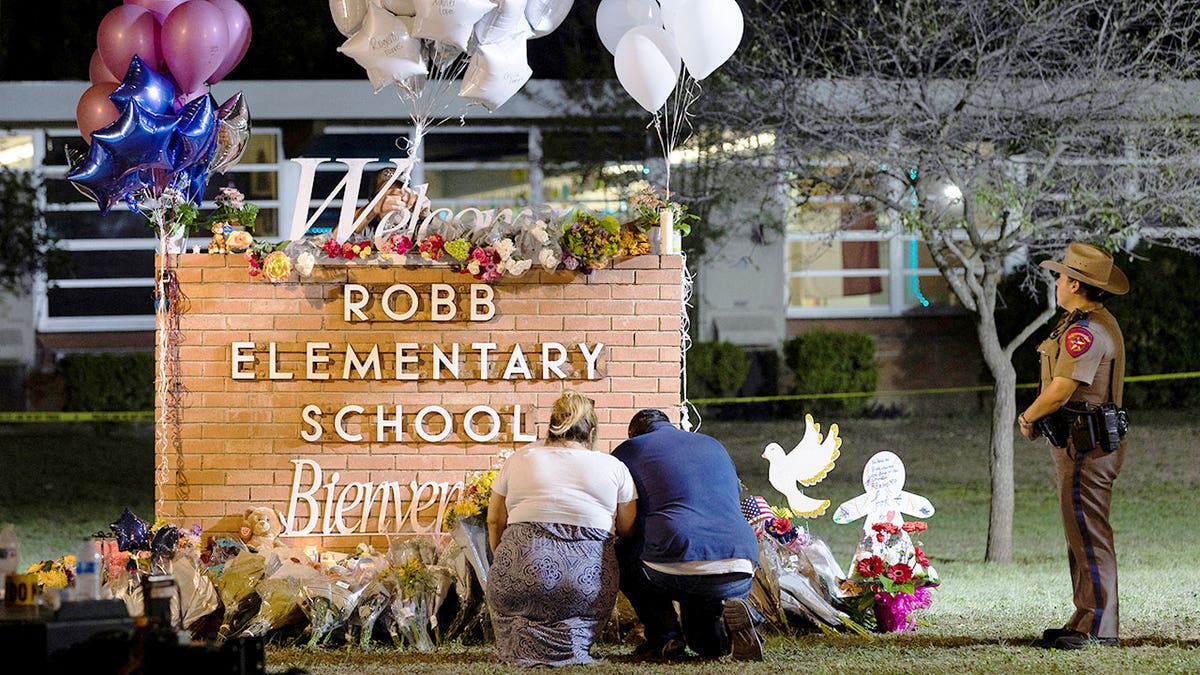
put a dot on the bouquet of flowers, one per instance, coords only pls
(647, 205)
(409, 620)
(328, 602)
(589, 241)
(891, 577)
(57, 573)
(280, 595)
(236, 585)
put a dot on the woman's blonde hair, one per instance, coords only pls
(573, 419)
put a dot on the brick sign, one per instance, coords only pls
(355, 401)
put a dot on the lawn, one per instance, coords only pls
(59, 484)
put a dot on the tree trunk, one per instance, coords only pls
(1004, 397)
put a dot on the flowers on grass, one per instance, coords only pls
(894, 563)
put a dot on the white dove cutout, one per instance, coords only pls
(807, 464)
(884, 498)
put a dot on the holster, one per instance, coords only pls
(1082, 427)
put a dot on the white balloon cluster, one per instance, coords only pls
(653, 40)
(411, 43)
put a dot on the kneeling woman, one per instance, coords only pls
(554, 508)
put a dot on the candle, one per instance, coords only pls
(666, 232)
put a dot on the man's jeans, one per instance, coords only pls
(700, 599)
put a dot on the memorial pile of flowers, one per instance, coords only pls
(891, 579)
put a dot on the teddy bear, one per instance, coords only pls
(217, 244)
(260, 526)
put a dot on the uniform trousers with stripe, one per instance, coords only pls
(1085, 484)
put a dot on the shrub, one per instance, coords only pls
(716, 369)
(826, 362)
(123, 381)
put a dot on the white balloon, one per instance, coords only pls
(497, 71)
(708, 33)
(669, 9)
(449, 21)
(348, 15)
(400, 7)
(384, 48)
(615, 17)
(647, 65)
(506, 22)
(546, 15)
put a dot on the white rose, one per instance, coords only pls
(540, 234)
(519, 267)
(548, 258)
(305, 262)
(505, 248)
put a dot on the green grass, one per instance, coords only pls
(62, 483)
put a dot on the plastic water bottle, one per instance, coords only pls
(10, 553)
(88, 563)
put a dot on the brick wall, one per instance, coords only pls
(241, 437)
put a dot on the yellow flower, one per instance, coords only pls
(277, 266)
(366, 251)
(240, 239)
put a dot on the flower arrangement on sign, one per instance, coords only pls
(892, 578)
(231, 213)
(589, 241)
(647, 207)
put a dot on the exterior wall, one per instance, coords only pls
(238, 438)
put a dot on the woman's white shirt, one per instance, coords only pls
(553, 484)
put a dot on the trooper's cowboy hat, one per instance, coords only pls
(1092, 266)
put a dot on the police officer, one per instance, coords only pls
(1083, 367)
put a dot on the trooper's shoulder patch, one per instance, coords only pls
(1078, 340)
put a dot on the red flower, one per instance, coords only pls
(885, 527)
(920, 555)
(879, 537)
(332, 248)
(781, 525)
(431, 247)
(900, 573)
(915, 526)
(869, 567)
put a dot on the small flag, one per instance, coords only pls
(756, 509)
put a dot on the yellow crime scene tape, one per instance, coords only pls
(148, 415)
(79, 416)
(913, 392)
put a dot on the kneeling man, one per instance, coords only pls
(692, 545)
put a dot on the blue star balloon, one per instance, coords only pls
(165, 540)
(100, 178)
(133, 534)
(142, 84)
(139, 139)
(196, 134)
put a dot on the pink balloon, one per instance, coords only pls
(194, 42)
(238, 22)
(185, 98)
(125, 31)
(160, 8)
(98, 72)
(94, 110)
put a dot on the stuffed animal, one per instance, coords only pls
(217, 243)
(260, 526)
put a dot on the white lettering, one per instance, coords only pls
(239, 358)
(311, 359)
(354, 298)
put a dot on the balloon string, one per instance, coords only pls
(673, 123)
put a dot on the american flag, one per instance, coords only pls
(756, 509)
